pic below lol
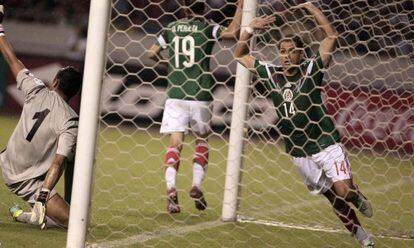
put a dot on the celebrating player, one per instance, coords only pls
(190, 42)
(42, 143)
(308, 132)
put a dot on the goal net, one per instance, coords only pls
(367, 89)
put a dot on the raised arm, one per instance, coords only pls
(242, 50)
(232, 31)
(328, 44)
(7, 51)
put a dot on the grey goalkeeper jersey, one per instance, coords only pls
(47, 126)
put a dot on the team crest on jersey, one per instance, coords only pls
(287, 95)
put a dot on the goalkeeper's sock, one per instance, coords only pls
(24, 218)
(170, 175)
(198, 174)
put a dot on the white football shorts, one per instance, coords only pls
(182, 115)
(321, 170)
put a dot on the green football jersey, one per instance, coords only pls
(303, 122)
(190, 43)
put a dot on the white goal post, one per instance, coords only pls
(234, 158)
(88, 122)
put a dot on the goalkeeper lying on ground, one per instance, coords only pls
(42, 142)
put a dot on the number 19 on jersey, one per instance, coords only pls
(184, 46)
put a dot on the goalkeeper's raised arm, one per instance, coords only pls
(15, 65)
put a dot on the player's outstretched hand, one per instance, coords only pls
(262, 22)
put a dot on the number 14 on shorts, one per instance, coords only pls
(341, 168)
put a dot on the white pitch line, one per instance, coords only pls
(321, 199)
(140, 238)
(206, 225)
(242, 219)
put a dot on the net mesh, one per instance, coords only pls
(367, 90)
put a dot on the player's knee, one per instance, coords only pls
(342, 189)
(176, 144)
(176, 141)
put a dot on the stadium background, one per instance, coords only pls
(48, 34)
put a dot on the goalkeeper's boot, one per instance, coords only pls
(198, 196)
(367, 243)
(15, 211)
(363, 205)
(172, 201)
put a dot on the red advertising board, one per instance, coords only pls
(371, 118)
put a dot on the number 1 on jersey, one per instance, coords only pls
(39, 117)
(187, 48)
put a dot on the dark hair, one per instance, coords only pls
(194, 7)
(297, 40)
(70, 80)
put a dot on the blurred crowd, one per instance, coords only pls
(155, 14)
(367, 25)
(383, 26)
(73, 12)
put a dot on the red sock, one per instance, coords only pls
(348, 217)
(201, 154)
(172, 158)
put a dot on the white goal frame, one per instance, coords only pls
(239, 111)
(88, 122)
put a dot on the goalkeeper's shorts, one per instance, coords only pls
(29, 189)
(323, 169)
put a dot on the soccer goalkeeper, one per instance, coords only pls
(308, 132)
(42, 143)
(190, 43)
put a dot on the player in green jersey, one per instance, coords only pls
(308, 131)
(189, 42)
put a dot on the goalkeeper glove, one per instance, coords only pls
(39, 208)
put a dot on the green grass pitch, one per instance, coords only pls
(128, 205)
